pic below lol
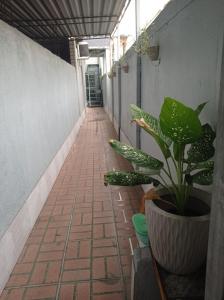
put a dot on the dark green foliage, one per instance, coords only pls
(202, 177)
(203, 148)
(205, 165)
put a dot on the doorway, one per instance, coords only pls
(93, 86)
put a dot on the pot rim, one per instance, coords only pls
(195, 192)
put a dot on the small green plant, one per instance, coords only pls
(186, 145)
(142, 44)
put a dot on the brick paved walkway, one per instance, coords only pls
(79, 247)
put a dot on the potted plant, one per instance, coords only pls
(178, 220)
(143, 47)
(153, 53)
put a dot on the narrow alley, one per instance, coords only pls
(80, 246)
(75, 74)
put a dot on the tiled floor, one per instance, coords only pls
(79, 247)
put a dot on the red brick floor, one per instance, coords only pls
(79, 247)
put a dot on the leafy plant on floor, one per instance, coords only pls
(186, 145)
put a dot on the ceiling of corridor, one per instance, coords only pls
(59, 19)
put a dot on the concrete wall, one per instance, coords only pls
(128, 96)
(189, 33)
(116, 97)
(40, 109)
(190, 39)
(107, 84)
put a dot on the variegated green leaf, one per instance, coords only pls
(128, 179)
(206, 165)
(203, 177)
(151, 125)
(203, 148)
(136, 156)
(179, 122)
(145, 170)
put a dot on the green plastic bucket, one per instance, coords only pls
(139, 222)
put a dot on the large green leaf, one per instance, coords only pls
(200, 108)
(203, 177)
(151, 125)
(179, 122)
(202, 149)
(136, 156)
(128, 179)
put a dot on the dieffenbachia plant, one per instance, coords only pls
(186, 145)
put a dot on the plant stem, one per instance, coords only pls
(165, 185)
(181, 198)
(175, 164)
(169, 174)
(179, 172)
(168, 167)
(169, 189)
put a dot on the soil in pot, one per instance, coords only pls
(195, 208)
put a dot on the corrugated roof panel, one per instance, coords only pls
(17, 13)
(55, 19)
(81, 29)
(40, 9)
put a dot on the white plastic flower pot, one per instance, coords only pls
(179, 243)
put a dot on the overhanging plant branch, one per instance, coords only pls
(142, 44)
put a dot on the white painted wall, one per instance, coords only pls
(41, 109)
(116, 96)
(38, 109)
(41, 104)
(107, 84)
(128, 96)
(189, 33)
(190, 38)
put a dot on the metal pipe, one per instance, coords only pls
(139, 72)
(57, 19)
(60, 24)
